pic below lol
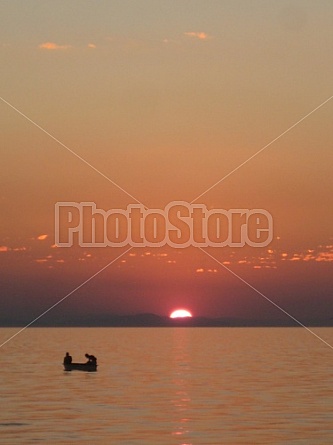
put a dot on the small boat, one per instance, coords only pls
(89, 367)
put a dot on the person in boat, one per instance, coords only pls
(92, 360)
(67, 359)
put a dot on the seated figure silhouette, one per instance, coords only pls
(67, 359)
(92, 360)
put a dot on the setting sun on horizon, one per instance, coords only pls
(180, 313)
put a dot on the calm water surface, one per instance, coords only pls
(173, 386)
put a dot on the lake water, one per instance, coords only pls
(168, 386)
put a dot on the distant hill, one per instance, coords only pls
(153, 320)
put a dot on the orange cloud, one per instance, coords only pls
(4, 249)
(53, 46)
(42, 237)
(91, 45)
(198, 35)
(325, 256)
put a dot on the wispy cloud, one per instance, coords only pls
(53, 46)
(198, 35)
(91, 45)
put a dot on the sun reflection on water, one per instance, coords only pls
(181, 371)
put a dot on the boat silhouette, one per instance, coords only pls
(88, 367)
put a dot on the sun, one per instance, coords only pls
(180, 313)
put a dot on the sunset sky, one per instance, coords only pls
(165, 98)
